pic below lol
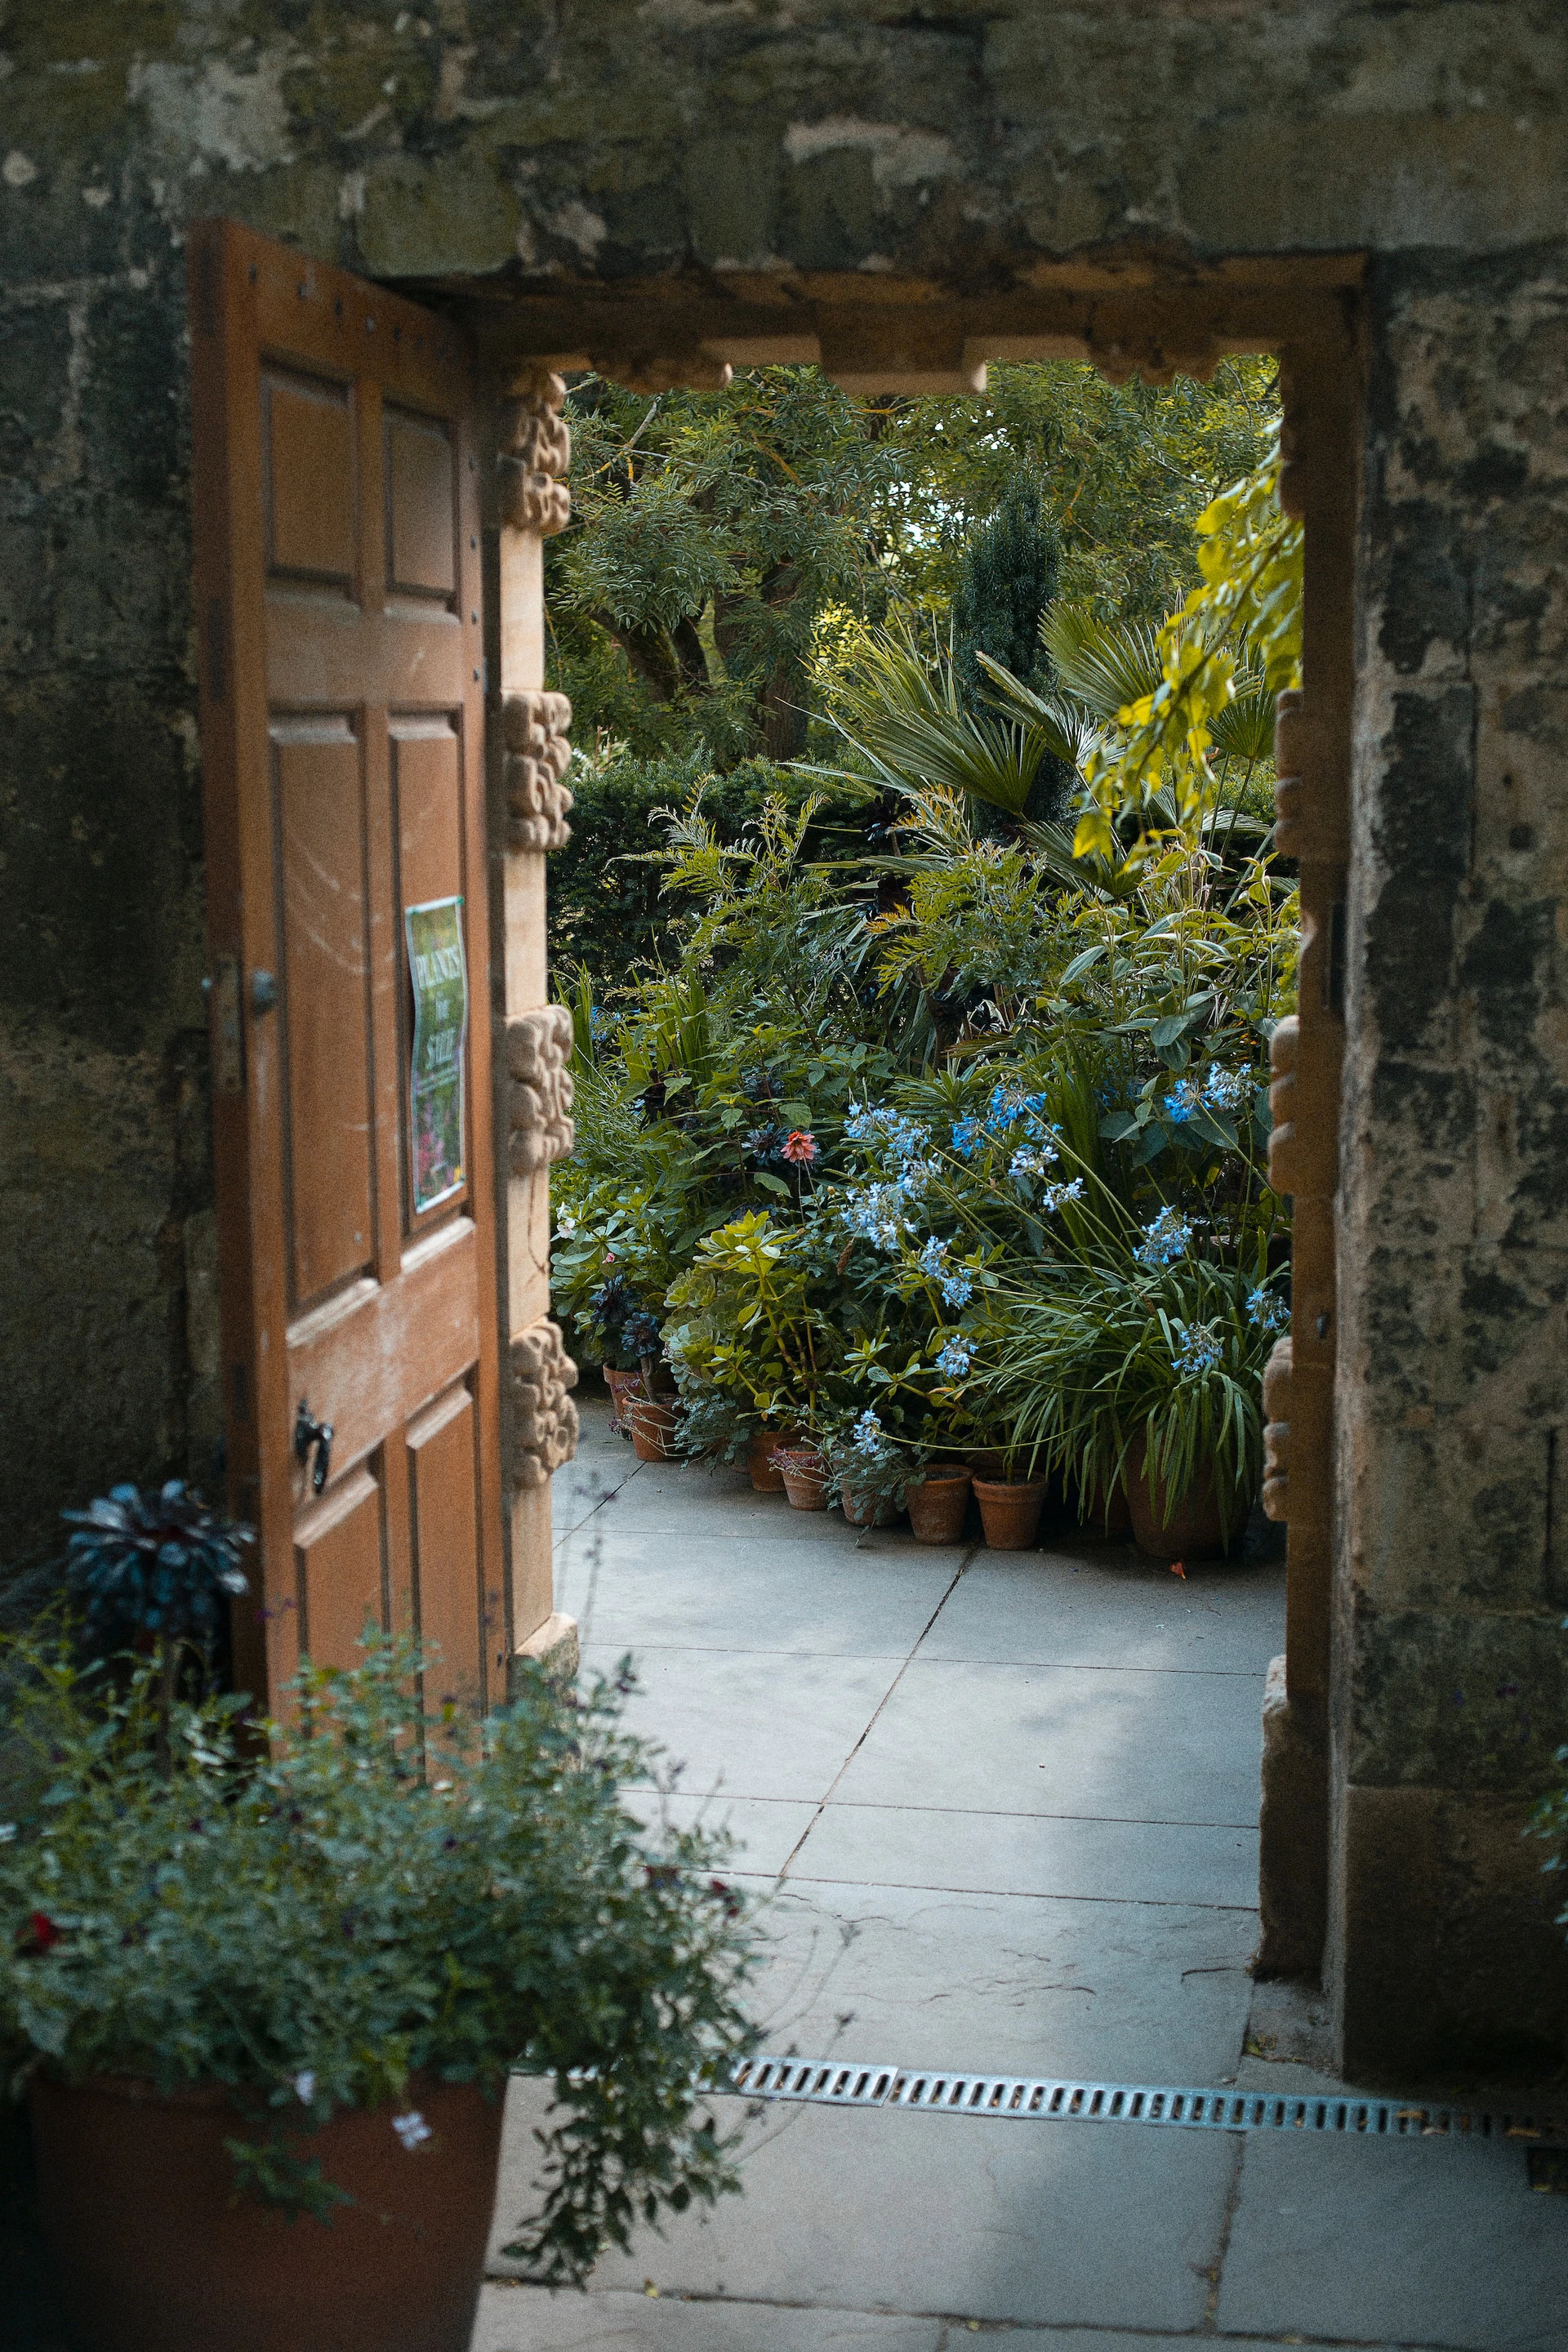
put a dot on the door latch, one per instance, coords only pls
(318, 1433)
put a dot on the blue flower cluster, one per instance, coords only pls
(955, 1358)
(875, 1211)
(1200, 1349)
(907, 1137)
(1165, 1237)
(1217, 1089)
(869, 1436)
(1266, 1308)
(1056, 1195)
(1008, 1108)
(957, 1284)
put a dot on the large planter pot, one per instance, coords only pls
(620, 1384)
(653, 1426)
(1010, 1511)
(151, 2255)
(938, 1505)
(805, 1475)
(1188, 1530)
(1108, 1515)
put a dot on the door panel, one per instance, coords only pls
(442, 1499)
(343, 782)
(308, 438)
(421, 517)
(340, 1568)
(325, 1004)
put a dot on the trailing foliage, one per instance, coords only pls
(315, 1923)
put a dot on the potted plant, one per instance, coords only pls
(937, 1500)
(246, 1978)
(1148, 1376)
(1011, 1488)
(867, 1474)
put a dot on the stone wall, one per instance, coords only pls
(1452, 1670)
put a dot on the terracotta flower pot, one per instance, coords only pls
(1192, 1530)
(653, 1426)
(761, 1467)
(863, 1512)
(619, 1384)
(152, 2256)
(1010, 1511)
(805, 1475)
(938, 1505)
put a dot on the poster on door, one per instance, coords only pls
(440, 978)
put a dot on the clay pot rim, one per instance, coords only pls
(1010, 1486)
(941, 1475)
(800, 1456)
(141, 2091)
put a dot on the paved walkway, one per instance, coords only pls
(1005, 1809)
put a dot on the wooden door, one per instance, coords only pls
(337, 582)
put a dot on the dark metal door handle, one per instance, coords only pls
(318, 1433)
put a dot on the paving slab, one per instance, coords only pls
(937, 2215)
(765, 1595)
(1431, 2241)
(1022, 1853)
(1110, 1607)
(766, 1830)
(756, 1726)
(1106, 1745)
(527, 2319)
(1118, 1992)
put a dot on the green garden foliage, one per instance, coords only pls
(392, 1888)
(730, 550)
(938, 1121)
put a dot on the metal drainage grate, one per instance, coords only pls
(1026, 2097)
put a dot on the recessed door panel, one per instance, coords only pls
(325, 1002)
(309, 445)
(443, 1468)
(421, 553)
(339, 1553)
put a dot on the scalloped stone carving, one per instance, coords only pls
(539, 1092)
(532, 501)
(533, 729)
(543, 1417)
(1276, 1376)
(538, 438)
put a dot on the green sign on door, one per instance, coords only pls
(440, 1026)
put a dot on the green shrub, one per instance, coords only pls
(315, 1924)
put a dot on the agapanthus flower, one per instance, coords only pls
(1165, 1238)
(1033, 1160)
(1056, 1196)
(800, 1148)
(1227, 1090)
(870, 1436)
(967, 1137)
(1179, 1107)
(1199, 1349)
(957, 1287)
(934, 1257)
(1266, 1308)
(955, 1358)
(875, 1211)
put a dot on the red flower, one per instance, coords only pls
(41, 1932)
(800, 1145)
